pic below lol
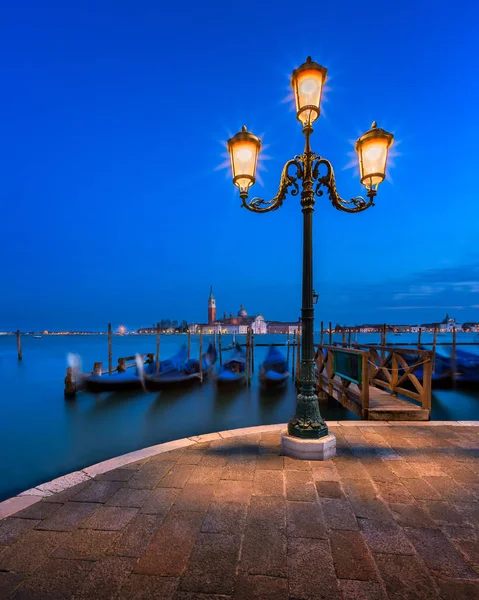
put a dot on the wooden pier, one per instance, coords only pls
(379, 383)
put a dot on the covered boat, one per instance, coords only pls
(131, 379)
(274, 370)
(186, 374)
(233, 371)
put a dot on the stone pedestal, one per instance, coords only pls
(321, 449)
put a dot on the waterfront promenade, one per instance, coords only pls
(224, 516)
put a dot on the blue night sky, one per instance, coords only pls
(113, 203)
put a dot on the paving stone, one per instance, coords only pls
(405, 578)
(350, 468)
(268, 483)
(194, 497)
(306, 580)
(470, 512)
(429, 468)
(106, 578)
(168, 552)
(403, 469)
(266, 512)
(13, 528)
(212, 564)
(300, 486)
(443, 513)
(192, 457)
(214, 460)
(420, 489)
(110, 518)
(378, 470)
(451, 589)
(361, 590)
(240, 471)
(150, 475)
(263, 552)
(338, 514)
(411, 515)
(199, 596)
(65, 495)
(305, 520)
(30, 551)
(450, 489)
(454, 532)
(387, 538)
(56, 579)
(439, 553)
(233, 491)
(295, 464)
(68, 516)
(9, 582)
(39, 510)
(225, 517)
(463, 474)
(351, 557)
(259, 587)
(129, 497)
(178, 476)
(269, 462)
(325, 474)
(470, 549)
(329, 489)
(147, 587)
(134, 539)
(160, 501)
(362, 489)
(121, 474)
(394, 492)
(85, 544)
(205, 475)
(97, 491)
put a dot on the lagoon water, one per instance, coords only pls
(42, 436)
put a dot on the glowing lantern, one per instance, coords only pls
(372, 149)
(307, 82)
(244, 148)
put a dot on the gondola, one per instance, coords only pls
(131, 379)
(274, 370)
(185, 375)
(233, 371)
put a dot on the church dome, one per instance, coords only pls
(242, 312)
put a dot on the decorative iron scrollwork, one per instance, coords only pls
(287, 181)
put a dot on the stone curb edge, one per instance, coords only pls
(27, 498)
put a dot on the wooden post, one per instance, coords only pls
(385, 335)
(70, 384)
(298, 357)
(343, 331)
(189, 344)
(322, 332)
(330, 333)
(252, 351)
(247, 356)
(121, 365)
(158, 333)
(150, 358)
(287, 351)
(97, 368)
(434, 342)
(349, 337)
(110, 366)
(293, 363)
(201, 358)
(365, 384)
(453, 357)
(215, 343)
(427, 383)
(419, 337)
(220, 347)
(394, 373)
(19, 345)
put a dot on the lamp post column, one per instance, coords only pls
(307, 422)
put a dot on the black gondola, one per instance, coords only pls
(233, 371)
(185, 375)
(274, 370)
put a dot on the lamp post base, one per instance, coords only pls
(308, 449)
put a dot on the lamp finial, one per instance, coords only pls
(374, 125)
(244, 128)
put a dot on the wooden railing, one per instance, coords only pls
(394, 370)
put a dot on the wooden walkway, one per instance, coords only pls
(378, 383)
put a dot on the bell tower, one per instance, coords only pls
(211, 307)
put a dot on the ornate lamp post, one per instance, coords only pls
(316, 174)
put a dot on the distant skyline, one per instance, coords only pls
(113, 201)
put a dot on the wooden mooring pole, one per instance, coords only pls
(434, 342)
(322, 333)
(349, 336)
(330, 333)
(158, 333)
(189, 344)
(287, 350)
(343, 335)
(215, 343)
(298, 357)
(419, 337)
(220, 347)
(110, 356)
(252, 351)
(248, 356)
(19, 345)
(201, 358)
(70, 384)
(453, 358)
(293, 364)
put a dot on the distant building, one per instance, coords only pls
(211, 307)
(283, 327)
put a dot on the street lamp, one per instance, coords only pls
(315, 173)
(315, 297)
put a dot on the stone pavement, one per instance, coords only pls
(394, 515)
